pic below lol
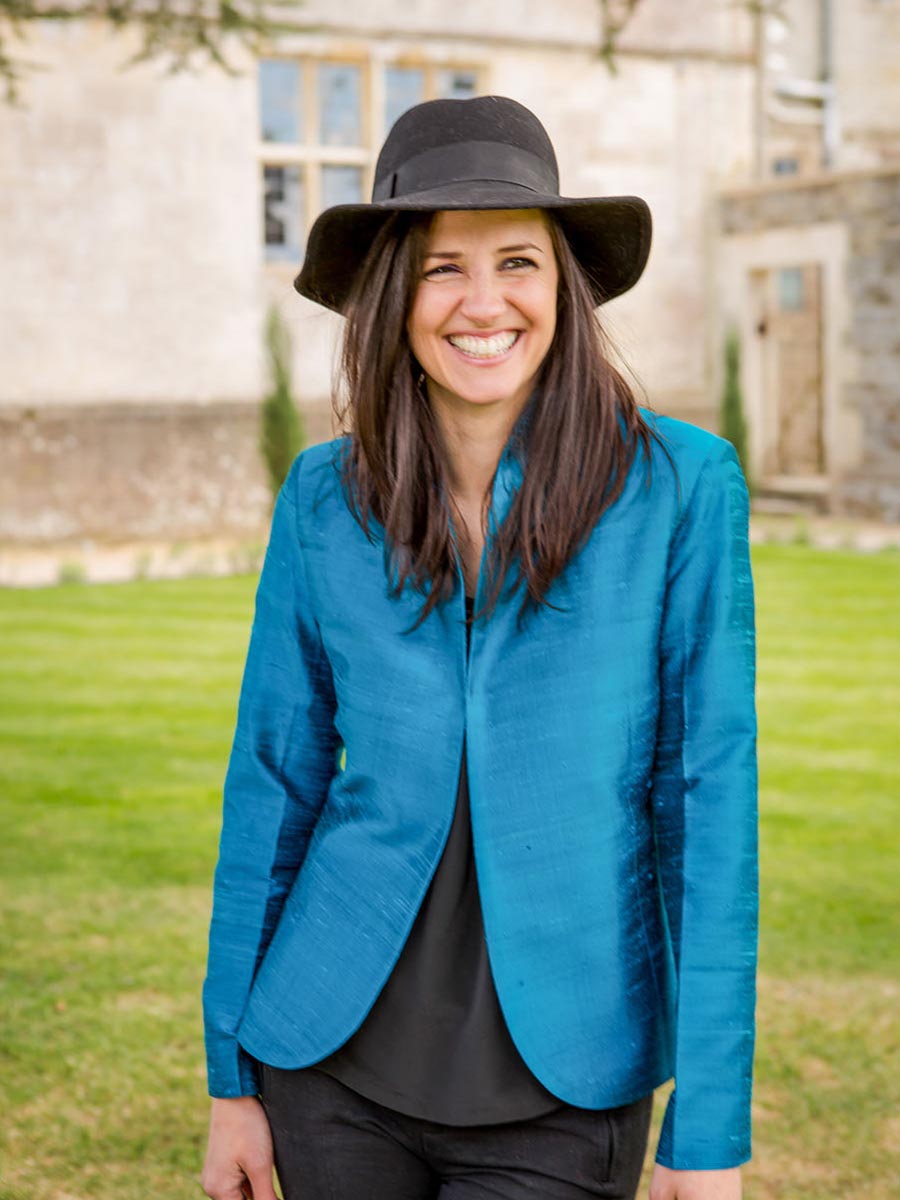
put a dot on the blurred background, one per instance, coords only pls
(159, 175)
(160, 166)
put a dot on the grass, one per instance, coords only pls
(116, 708)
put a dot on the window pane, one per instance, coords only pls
(457, 85)
(341, 185)
(791, 292)
(339, 89)
(280, 90)
(404, 87)
(283, 190)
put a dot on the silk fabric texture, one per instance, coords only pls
(611, 748)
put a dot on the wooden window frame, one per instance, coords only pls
(311, 156)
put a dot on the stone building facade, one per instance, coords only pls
(148, 222)
(810, 272)
(808, 259)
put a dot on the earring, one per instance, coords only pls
(421, 379)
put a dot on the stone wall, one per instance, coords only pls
(133, 472)
(129, 222)
(692, 27)
(868, 205)
(867, 77)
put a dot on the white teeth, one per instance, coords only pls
(480, 347)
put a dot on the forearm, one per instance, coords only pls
(281, 763)
(704, 800)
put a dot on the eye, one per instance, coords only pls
(443, 269)
(518, 263)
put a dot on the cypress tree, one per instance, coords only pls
(732, 420)
(281, 427)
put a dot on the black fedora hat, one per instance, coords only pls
(488, 152)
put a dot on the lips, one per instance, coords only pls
(494, 346)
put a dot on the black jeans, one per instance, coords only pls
(333, 1144)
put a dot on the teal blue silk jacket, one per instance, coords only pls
(611, 748)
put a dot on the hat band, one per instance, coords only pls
(468, 162)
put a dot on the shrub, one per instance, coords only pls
(281, 427)
(732, 421)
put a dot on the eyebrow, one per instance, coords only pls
(501, 250)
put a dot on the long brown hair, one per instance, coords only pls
(395, 464)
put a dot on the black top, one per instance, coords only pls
(435, 1044)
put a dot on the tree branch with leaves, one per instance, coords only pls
(187, 31)
(614, 16)
(196, 31)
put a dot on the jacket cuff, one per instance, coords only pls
(232, 1072)
(699, 1149)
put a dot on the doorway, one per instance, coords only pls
(787, 311)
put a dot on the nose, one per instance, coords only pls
(483, 300)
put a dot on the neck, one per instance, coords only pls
(474, 436)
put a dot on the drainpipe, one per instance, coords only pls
(821, 90)
(759, 97)
(829, 105)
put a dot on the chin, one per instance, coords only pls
(488, 392)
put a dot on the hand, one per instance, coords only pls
(666, 1184)
(239, 1158)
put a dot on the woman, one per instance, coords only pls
(508, 621)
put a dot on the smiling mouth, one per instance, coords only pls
(485, 347)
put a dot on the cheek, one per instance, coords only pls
(413, 322)
(540, 301)
(420, 325)
(544, 312)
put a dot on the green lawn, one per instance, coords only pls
(116, 708)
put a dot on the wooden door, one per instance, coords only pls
(788, 313)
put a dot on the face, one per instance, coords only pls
(484, 312)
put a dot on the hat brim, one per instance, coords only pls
(610, 236)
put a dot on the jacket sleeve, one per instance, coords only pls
(704, 797)
(282, 759)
